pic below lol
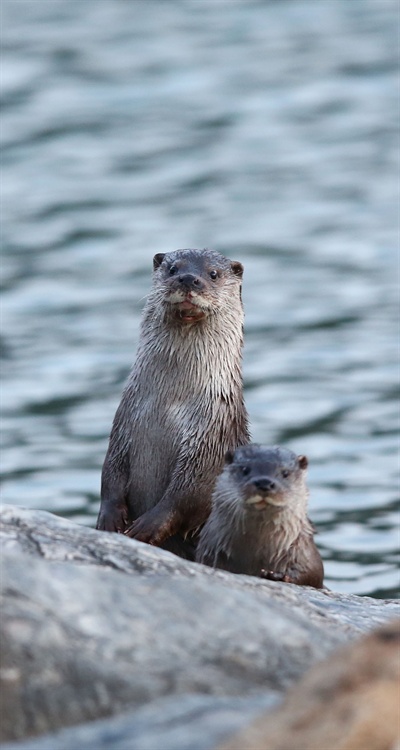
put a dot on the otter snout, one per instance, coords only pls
(190, 281)
(264, 484)
(262, 491)
(187, 292)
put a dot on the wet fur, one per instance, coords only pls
(276, 542)
(182, 407)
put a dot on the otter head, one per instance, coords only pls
(270, 479)
(192, 284)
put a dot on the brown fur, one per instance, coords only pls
(182, 407)
(258, 523)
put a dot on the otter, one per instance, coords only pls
(182, 407)
(258, 523)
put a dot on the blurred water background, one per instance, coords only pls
(267, 130)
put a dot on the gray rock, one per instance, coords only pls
(192, 722)
(94, 624)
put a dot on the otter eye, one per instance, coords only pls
(213, 275)
(285, 473)
(172, 270)
(245, 470)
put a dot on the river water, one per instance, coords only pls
(267, 130)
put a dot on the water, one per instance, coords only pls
(266, 130)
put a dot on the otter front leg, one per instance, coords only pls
(155, 526)
(179, 511)
(114, 512)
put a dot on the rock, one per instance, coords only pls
(348, 702)
(190, 722)
(94, 624)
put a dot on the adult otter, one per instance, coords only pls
(258, 523)
(182, 407)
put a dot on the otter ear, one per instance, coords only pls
(303, 462)
(157, 260)
(237, 268)
(229, 457)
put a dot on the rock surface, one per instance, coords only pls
(348, 702)
(95, 624)
(192, 722)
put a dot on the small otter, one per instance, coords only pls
(182, 407)
(258, 523)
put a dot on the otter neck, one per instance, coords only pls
(281, 529)
(273, 532)
(208, 351)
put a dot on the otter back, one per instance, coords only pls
(182, 407)
(258, 523)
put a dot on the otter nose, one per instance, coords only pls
(265, 484)
(189, 280)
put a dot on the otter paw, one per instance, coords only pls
(274, 575)
(146, 529)
(113, 518)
